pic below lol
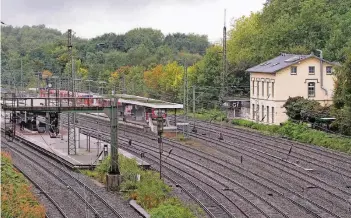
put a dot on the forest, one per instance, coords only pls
(146, 62)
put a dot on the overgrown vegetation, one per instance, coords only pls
(150, 192)
(301, 133)
(17, 200)
(342, 97)
(173, 208)
(203, 114)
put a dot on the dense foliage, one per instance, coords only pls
(41, 48)
(301, 133)
(296, 26)
(301, 109)
(17, 199)
(342, 98)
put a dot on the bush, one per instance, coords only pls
(17, 199)
(171, 208)
(151, 191)
(301, 133)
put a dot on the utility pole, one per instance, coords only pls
(194, 128)
(21, 89)
(124, 84)
(38, 83)
(113, 176)
(89, 80)
(224, 71)
(185, 100)
(71, 119)
(159, 133)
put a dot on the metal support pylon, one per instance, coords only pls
(71, 119)
(114, 137)
(10, 118)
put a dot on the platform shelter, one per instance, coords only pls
(146, 110)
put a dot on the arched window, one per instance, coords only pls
(311, 89)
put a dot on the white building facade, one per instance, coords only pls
(288, 75)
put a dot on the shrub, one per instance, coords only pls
(151, 191)
(171, 208)
(301, 133)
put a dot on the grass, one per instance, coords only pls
(17, 199)
(150, 192)
(207, 115)
(301, 133)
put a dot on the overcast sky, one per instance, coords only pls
(89, 18)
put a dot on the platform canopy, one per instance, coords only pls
(147, 102)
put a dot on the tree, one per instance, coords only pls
(148, 37)
(342, 97)
(305, 110)
(206, 74)
(152, 81)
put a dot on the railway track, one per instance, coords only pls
(267, 203)
(316, 209)
(180, 177)
(340, 175)
(282, 149)
(85, 201)
(305, 150)
(256, 177)
(340, 195)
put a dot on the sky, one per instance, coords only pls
(90, 18)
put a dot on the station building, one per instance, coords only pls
(288, 75)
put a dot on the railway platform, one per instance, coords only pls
(89, 149)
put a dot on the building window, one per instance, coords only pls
(311, 70)
(258, 88)
(272, 89)
(262, 113)
(267, 114)
(267, 89)
(311, 89)
(272, 114)
(262, 88)
(293, 70)
(253, 87)
(253, 111)
(329, 70)
(257, 114)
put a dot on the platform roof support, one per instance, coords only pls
(71, 116)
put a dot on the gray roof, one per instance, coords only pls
(281, 62)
